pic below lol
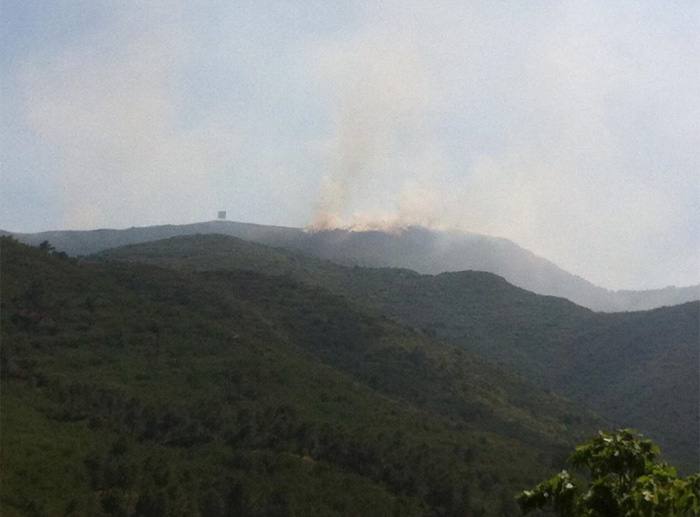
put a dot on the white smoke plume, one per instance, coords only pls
(381, 98)
(569, 127)
(549, 106)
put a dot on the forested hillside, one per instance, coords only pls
(130, 389)
(637, 369)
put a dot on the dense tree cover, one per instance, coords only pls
(625, 480)
(636, 369)
(129, 389)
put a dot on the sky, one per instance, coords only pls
(570, 127)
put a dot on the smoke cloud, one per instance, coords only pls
(523, 124)
(380, 95)
(568, 127)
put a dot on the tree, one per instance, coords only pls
(625, 480)
(46, 246)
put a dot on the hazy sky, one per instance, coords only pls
(571, 127)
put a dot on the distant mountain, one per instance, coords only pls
(638, 369)
(416, 248)
(433, 252)
(133, 389)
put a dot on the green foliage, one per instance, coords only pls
(634, 369)
(135, 390)
(625, 479)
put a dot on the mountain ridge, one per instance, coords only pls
(415, 248)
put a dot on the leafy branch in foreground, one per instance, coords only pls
(625, 480)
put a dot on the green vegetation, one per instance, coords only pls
(635, 369)
(626, 480)
(129, 389)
